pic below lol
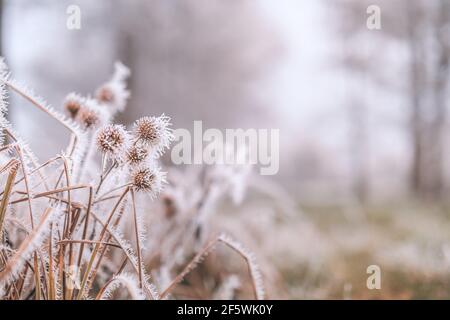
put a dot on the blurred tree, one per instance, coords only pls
(440, 24)
(421, 28)
(357, 63)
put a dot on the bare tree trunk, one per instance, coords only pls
(417, 176)
(439, 90)
(416, 125)
(359, 146)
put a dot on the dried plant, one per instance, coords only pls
(78, 226)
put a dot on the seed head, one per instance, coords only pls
(148, 180)
(154, 132)
(72, 104)
(114, 93)
(136, 154)
(112, 139)
(105, 94)
(91, 115)
(89, 118)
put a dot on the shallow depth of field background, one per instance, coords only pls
(363, 116)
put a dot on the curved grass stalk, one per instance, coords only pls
(41, 104)
(258, 288)
(253, 268)
(78, 140)
(121, 280)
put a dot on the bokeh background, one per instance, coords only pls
(363, 117)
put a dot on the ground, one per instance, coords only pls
(410, 244)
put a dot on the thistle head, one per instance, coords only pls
(105, 94)
(90, 115)
(154, 132)
(72, 104)
(112, 139)
(136, 154)
(114, 93)
(148, 180)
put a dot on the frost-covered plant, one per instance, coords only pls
(65, 223)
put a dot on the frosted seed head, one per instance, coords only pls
(136, 154)
(112, 139)
(146, 130)
(154, 132)
(114, 94)
(105, 95)
(148, 180)
(72, 104)
(91, 115)
(89, 118)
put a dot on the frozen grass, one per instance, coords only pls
(99, 221)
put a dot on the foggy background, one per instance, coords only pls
(362, 113)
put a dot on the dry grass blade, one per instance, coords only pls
(125, 280)
(27, 247)
(87, 273)
(13, 165)
(253, 269)
(255, 274)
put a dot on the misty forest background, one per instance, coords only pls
(363, 116)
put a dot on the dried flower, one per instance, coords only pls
(72, 104)
(149, 180)
(90, 115)
(136, 154)
(114, 93)
(89, 118)
(105, 94)
(155, 132)
(112, 139)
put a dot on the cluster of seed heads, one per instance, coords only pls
(110, 98)
(139, 150)
(135, 152)
(30, 268)
(85, 111)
